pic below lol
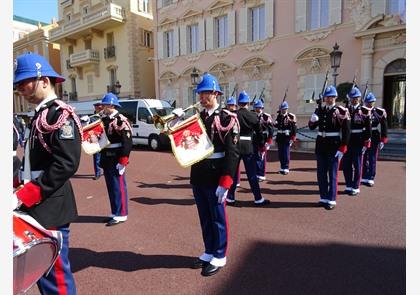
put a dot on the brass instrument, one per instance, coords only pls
(162, 122)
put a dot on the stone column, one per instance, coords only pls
(367, 60)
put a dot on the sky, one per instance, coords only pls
(40, 10)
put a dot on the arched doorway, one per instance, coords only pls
(394, 93)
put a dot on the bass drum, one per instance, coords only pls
(35, 250)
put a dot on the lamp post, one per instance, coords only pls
(65, 96)
(335, 57)
(117, 88)
(194, 81)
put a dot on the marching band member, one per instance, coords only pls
(249, 124)
(114, 157)
(330, 147)
(212, 177)
(231, 106)
(286, 135)
(268, 129)
(97, 157)
(379, 139)
(52, 155)
(359, 142)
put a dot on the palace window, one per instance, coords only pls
(318, 13)
(168, 39)
(192, 38)
(257, 23)
(221, 30)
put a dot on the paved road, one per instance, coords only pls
(290, 247)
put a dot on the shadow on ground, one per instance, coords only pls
(329, 269)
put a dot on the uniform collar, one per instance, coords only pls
(330, 107)
(212, 110)
(355, 106)
(45, 101)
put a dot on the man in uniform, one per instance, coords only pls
(268, 129)
(16, 140)
(212, 177)
(231, 104)
(249, 124)
(286, 135)
(379, 139)
(52, 155)
(114, 158)
(330, 148)
(359, 142)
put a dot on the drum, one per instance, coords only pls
(94, 138)
(35, 251)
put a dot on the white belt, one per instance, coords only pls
(113, 145)
(14, 153)
(217, 155)
(357, 131)
(284, 131)
(245, 137)
(34, 174)
(374, 128)
(328, 134)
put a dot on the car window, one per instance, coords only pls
(161, 111)
(143, 114)
(129, 109)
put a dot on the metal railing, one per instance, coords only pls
(109, 52)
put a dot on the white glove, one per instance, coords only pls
(290, 142)
(381, 145)
(16, 203)
(339, 155)
(267, 146)
(120, 168)
(178, 112)
(364, 149)
(221, 194)
(314, 118)
(84, 118)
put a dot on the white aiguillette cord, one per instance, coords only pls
(27, 163)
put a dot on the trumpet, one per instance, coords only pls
(162, 122)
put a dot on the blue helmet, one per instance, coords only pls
(284, 105)
(110, 99)
(32, 65)
(208, 83)
(354, 93)
(330, 91)
(231, 101)
(258, 104)
(370, 97)
(243, 97)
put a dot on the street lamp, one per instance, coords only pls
(117, 87)
(194, 76)
(335, 57)
(65, 96)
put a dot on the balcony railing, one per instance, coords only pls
(109, 52)
(65, 3)
(111, 12)
(84, 57)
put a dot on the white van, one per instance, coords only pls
(140, 113)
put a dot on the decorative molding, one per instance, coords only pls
(391, 20)
(220, 7)
(360, 12)
(222, 52)
(222, 71)
(169, 61)
(187, 73)
(319, 35)
(193, 57)
(166, 24)
(257, 68)
(257, 46)
(252, 3)
(191, 16)
(394, 40)
(168, 75)
(311, 53)
(399, 38)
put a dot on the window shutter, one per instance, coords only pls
(377, 7)
(334, 12)
(269, 18)
(160, 44)
(209, 33)
(183, 39)
(231, 28)
(300, 15)
(243, 25)
(176, 41)
(201, 35)
(141, 37)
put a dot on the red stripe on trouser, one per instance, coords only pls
(361, 168)
(227, 228)
(265, 160)
(122, 193)
(59, 276)
(336, 179)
